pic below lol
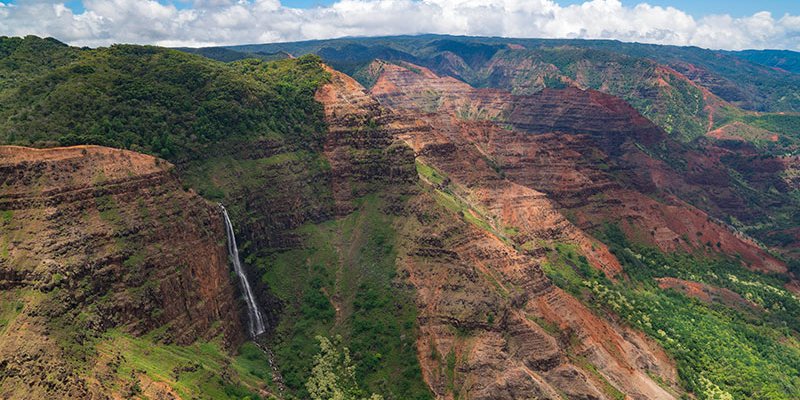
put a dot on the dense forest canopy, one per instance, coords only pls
(155, 100)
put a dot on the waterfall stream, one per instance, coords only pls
(254, 314)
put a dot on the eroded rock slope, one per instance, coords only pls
(591, 153)
(491, 324)
(93, 239)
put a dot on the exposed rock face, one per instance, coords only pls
(449, 143)
(681, 105)
(484, 305)
(361, 146)
(96, 238)
(607, 118)
(492, 326)
(588, 151)
(356, 155)
(419, 88)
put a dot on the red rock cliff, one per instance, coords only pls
(96, 238)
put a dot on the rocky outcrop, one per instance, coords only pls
(93, 239)
(491, 324)
(456, 145)
(414, 87)
(574, 111)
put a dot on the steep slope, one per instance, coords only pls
(251, 135)
(96, 239)
(331, 268)
(461, 242)
(479, 298)
(671, 91)
(493, 326)
(600, 163)
(579, 147)
(684, 107)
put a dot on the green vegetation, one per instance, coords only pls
(199, 370)
(445, 194)
(226, 178)
(671, 103)
(721, 350)
(7, 216)
(22, 59)
(784, 59)
(11, 304)
(333, 375)
(785, 124)
(568, 269)
(108, 209)
(159, 101)
(429, 173)
(248, 133)
(342, 282)
(649, 77)
(606, 386)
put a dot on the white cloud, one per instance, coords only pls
(218, 22)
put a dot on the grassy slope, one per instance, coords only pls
(200, 370)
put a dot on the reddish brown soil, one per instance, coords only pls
(463, 274)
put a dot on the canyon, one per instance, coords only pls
(461, 241)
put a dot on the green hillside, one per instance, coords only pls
(154, 100)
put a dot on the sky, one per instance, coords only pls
(716, 24)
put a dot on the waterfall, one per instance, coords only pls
(254, 314)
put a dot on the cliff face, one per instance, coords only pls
(447, 140)
(503, 173)
(591, 153)
(361, 144)
(491, 324)
(444, 232)
(684, 107)
(93, 239)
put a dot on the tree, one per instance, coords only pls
(334, 375)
